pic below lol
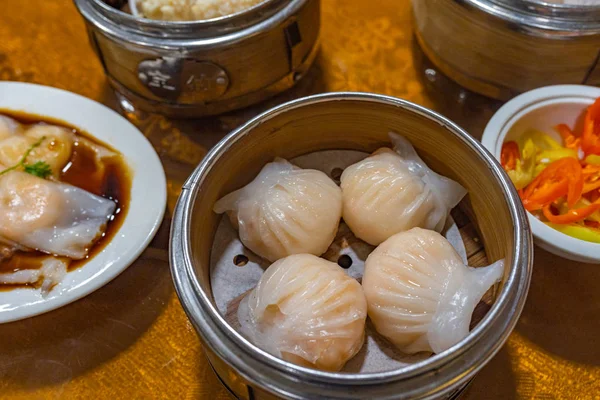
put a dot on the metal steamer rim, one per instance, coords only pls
(207, 318)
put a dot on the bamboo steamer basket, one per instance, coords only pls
(496, 227)
(500, 48)
(197, 68)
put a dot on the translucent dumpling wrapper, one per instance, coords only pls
(393, 191)
(308, 311)
(48, 274)
(8, 127)
(6, 251)
(285, 210)
(420, 294)
(52, 217)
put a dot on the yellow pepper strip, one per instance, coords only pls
(578, 231)
(592, 159)
(540, 139)
(523, 173)
(549, 156)
(538, 169)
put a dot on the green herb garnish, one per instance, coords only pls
(40, 169)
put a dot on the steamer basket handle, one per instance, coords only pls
(593, 76)
(293, 39)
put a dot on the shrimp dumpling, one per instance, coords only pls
(308, 311)
(49, 216)
(419, 292)
(285, 210)
(393, 191)
(8, 127)
(57, 145)
(48, 143)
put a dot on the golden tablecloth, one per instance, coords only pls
(131, 339)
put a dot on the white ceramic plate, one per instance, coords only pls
(147, 201)
(543, 109)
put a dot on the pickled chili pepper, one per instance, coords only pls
(593, 195)
(592, 224)
(591, 176)
(569, 139)
(539, 139)
(588, 187)
(560, 182)
(563, 209)
(562, 177)
(509, 156)
(536, 199)
(524, 170)
(590, 138)
(547, 156)
(574, 215)
(591, 172)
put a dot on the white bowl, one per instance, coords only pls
(147, 201)
(543, 109)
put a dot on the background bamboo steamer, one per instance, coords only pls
(500, 48)
(192, 69)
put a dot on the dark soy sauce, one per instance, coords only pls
(110, 180)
